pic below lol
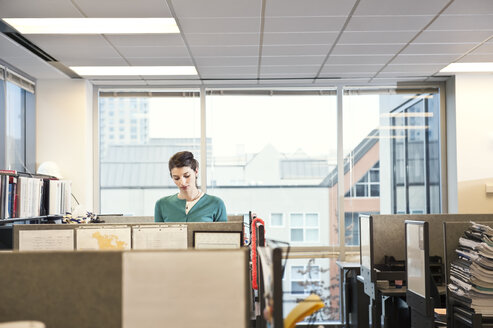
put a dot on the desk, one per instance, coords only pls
(354, 302)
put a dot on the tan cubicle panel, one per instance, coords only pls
(191, 228)
(389, 232)
(147, 289)
(149, 219)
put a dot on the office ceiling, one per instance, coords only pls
(280, 42)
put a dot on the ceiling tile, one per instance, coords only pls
(347, 68)
(37, 9)
(48, 41)
(123, 8)
(226, 61)
(224, 51)
(174, 83)
(293, 60)
(365, 75)
(429, 36)
(463, 22)
(96, 61)
(140, 40)
(367, 49)
(308, 8)
(358, 59)
(218, 83)
(81, 52)
(347, 81)
(226, 39)
(223, 76)
(216, 8)
(303, 24)
(286, 76)
(443, 48)
(248, 70)
(424, 59)
(392, 7)
(294, 82)
(388, 23)
(486, 48)
(310, 70)
(299, 38)
(477, 58)
(420, 69)
(153, 51)
(387, 37)
(159, 61)
(467, 7)
(220, 25)
(295, 50)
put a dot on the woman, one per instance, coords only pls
(190, 204)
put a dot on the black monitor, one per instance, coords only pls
(418, 294)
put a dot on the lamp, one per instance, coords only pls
(49, 168)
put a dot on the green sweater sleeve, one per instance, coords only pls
(157, 213)
(221, 215)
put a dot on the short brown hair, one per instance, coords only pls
(181, 159)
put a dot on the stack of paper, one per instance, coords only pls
(471, 275)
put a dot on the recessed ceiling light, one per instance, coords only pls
(468, 67)
(133, 70)
(93, 25)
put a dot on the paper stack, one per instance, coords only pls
(471, 275)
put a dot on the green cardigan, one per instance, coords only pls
(207, 209)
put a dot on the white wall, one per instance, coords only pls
(474, 132)
(64, 129)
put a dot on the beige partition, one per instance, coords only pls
(389, 232)
(191, 228)
(145, 289)
(126, 219)
(149, 219)
(63, 289)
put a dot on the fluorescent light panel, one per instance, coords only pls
(93, 25)
(133, 70)
(468, 67)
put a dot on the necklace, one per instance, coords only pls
(191, 202)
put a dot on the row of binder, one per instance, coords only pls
(24, 196)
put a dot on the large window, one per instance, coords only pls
(274, 152)
(392, 154)
(17, 122)
(415, 156)
(138, 135)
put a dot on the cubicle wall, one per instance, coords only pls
(64, 236)
(201, 288)
(389, 232)
(149, 219)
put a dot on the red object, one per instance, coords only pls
(8, 172)
(254, 251)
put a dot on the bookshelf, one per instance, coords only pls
(32, 197)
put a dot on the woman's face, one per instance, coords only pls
(184, 177)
